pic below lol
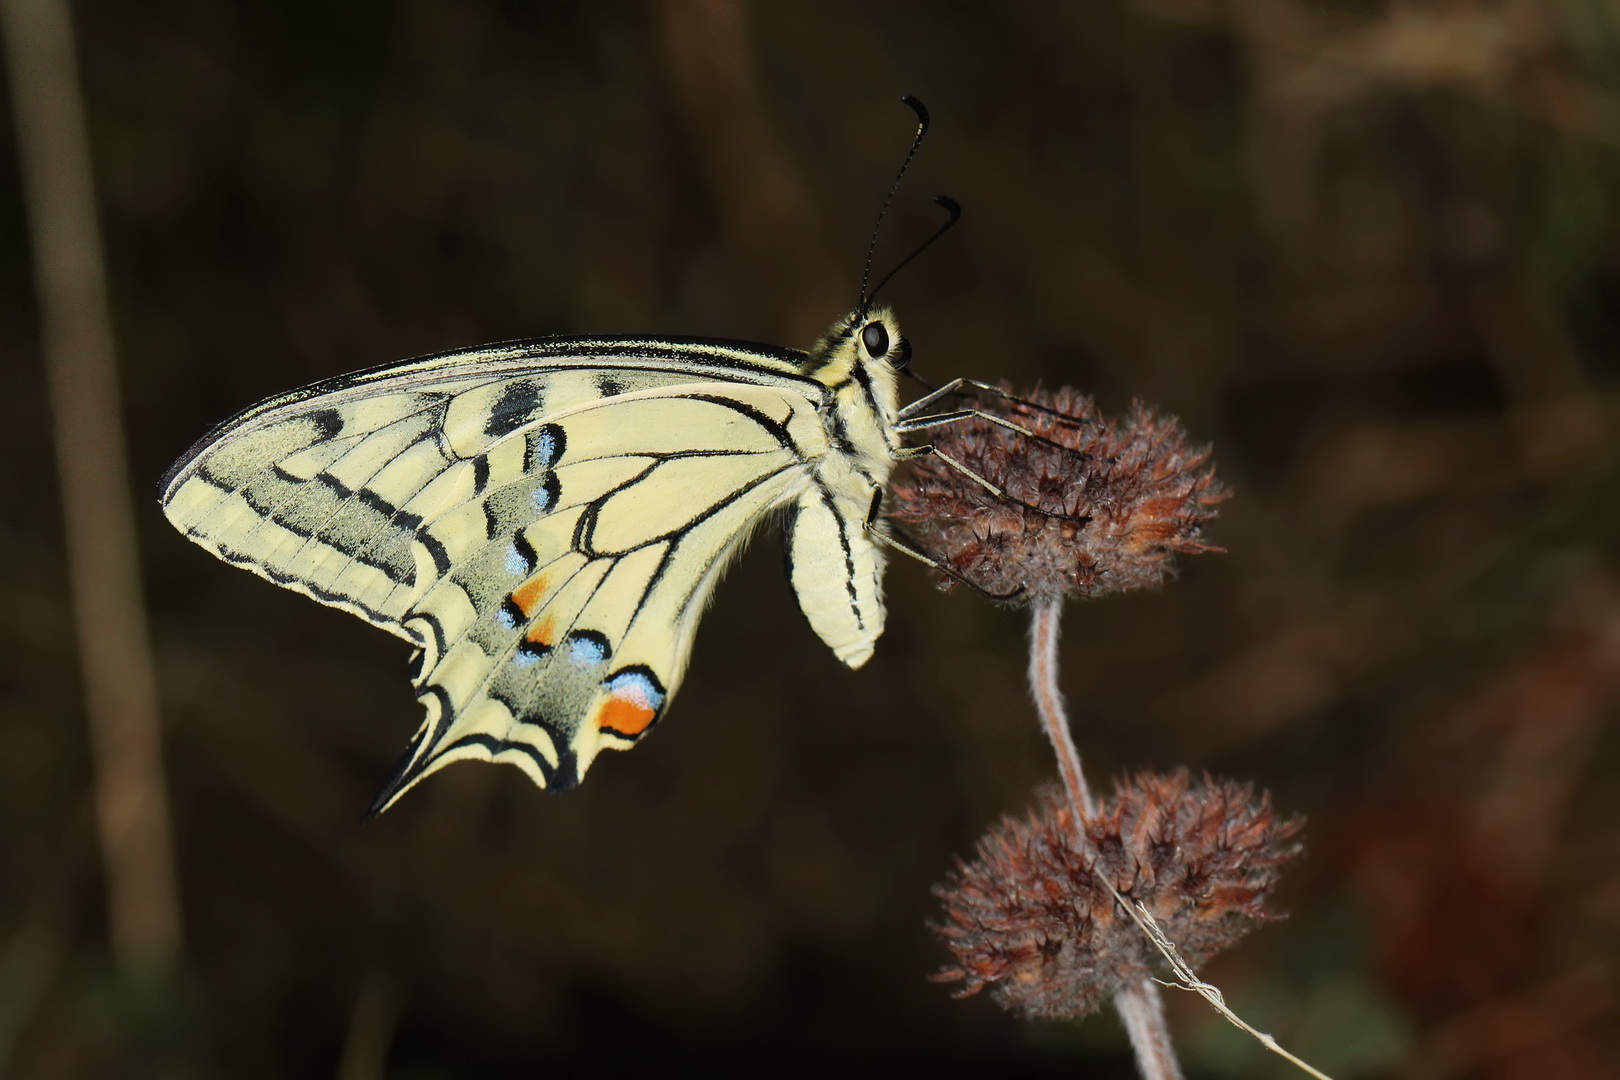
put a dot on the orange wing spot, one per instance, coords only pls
(629, 718)
(529, 595)
(543, 633)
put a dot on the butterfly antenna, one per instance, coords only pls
(951, 207)
(871, 248)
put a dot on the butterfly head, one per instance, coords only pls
(858, 360)
(866, 343)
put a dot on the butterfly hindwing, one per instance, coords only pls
(548, 642)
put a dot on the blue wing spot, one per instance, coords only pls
(638, 686)
(509, 614)
(516, 564)
(547, 494)
(634, 702)
(529, 653)
(545, 447)
(587, 647)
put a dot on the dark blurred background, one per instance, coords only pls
(1368, 250)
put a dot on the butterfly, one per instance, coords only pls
(544, 520)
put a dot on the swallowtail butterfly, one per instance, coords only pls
(544, 520)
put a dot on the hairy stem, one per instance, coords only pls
(1043, 686)
(1141, 1010)
(1140, 1007)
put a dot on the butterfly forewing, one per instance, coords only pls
(289, 498)
(325, 489)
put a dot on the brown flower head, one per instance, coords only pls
(1092, 505)
(1029, 918)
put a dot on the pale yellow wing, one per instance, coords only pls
(545, 521)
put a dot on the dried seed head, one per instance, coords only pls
(1093, 505)
(1029, 919)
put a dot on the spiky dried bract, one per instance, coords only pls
(1029, 918)
(1094, 505)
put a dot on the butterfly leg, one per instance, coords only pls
(952, 387)
(929, 449)
(937, 419)
(906, 453)
(965, 387)
(891, 537)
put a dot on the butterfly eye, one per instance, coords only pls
(876, 339)
(902, 355)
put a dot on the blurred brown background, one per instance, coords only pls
(1369, 250)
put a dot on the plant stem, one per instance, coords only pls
(1140, 1007)
(1141, 1010)
(1043, 686)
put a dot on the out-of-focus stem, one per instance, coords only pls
(1140, 1008)
(104, 575)
(371, 1030)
